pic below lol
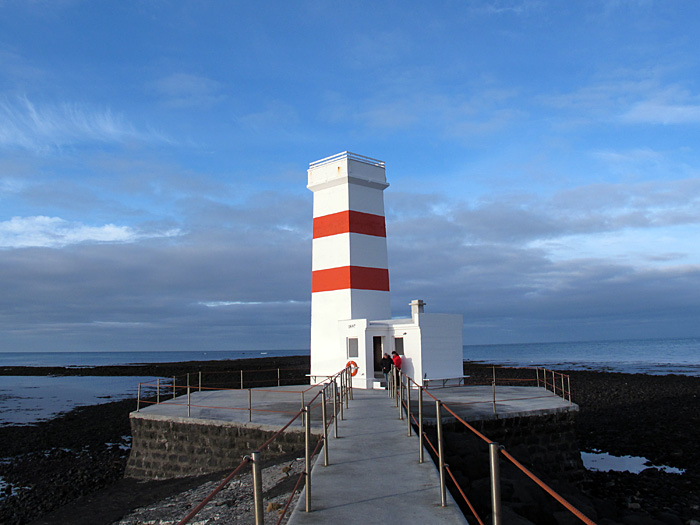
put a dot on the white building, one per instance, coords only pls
(350, 299)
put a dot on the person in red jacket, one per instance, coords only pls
(397, 359)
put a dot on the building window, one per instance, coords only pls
(353, 347)
(398, 345)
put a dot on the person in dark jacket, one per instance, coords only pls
(386, 369)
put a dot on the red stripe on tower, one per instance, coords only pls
(349, 221)
(355, 277)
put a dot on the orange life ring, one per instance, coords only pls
(353, 365)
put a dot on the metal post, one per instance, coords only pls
(278, 377)
(537, 371)
(173, 387)
(335, 408)
(568, 380)
(396, 397)
(400, 405)
(325, 427)
(495, 484)
(420, 424)
(408, 405)
(350, 381)
(250, 405)
(554, 384)
(563, 392)
(493, 388)
(138, 399)
(158, 390)
(307, 455)
(188, 394)
(200, 380)
(347, 388)
(441, 453)
(257, 489)
(241, 379)
(342, 415)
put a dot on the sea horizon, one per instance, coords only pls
(27, 399)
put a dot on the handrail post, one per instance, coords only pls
(420, 424)
(307, 455)
(241, 379)
(537, 372)
(396, 386)
(496, 518)
(493, 388)
(325, 427)
(554, 384)
(347, 388)
(350, 382)
(173, 387)
(335, 408)
(188, 394)
(441, 453)
(138, 399)
(200, 380)
(257, 489)
(563, 392)
(250, 405)
(278, 377)
(408, 405)
(568, 380)
(158, 390)
(400, 404)
(342, 402)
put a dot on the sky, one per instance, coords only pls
(542, 158)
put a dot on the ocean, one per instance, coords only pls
(27, 399)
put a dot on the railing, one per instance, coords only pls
(339, 389)
(350, 155)
(162, 390)
(558, 383)
(400, 387)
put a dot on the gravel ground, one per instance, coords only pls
(62, 471)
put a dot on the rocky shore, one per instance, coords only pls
(70, 469)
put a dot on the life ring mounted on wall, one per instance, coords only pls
(353, 367)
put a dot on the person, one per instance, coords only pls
(386, 369)
(396, 358)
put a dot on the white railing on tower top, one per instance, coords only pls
(349, 155)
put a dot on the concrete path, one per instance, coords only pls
(373, 474)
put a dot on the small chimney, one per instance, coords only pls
(416, 307)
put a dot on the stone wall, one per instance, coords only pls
(545, 444)
(165, 448)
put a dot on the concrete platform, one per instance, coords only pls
(374, 475)
(272, 407)
(475, 403)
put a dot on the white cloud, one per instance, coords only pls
(54, 232)
(182, 90)
(24, 125)
(652, 112)
(219, 304)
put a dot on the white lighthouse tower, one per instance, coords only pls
(350, 300)
(350, 278)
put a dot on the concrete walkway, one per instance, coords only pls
(373, 474)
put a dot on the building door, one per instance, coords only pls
(377, 344)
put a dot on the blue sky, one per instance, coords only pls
(542, 156)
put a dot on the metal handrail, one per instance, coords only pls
(494, 448)
(341, 395)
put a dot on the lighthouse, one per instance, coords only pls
(350, 297)
(350, 268)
